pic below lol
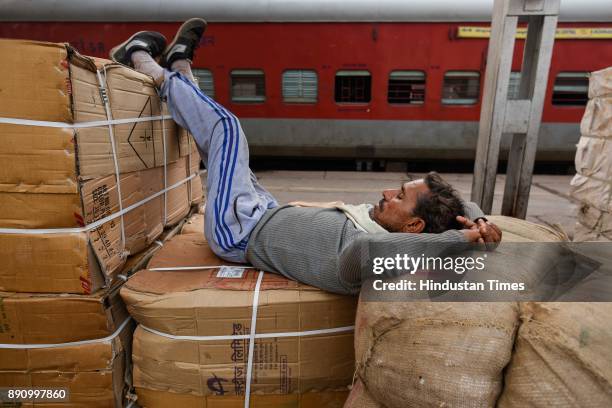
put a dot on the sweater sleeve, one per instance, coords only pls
(472, 211)
(355, 259)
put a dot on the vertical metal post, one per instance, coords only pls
(521, 116)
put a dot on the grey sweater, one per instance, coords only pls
(323, 248)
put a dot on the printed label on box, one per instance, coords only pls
(230, 272)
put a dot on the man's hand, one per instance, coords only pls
(472, 235)
(489, 232)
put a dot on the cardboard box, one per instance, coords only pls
(94, 372)
(64, 177)
(162, 399)
(29, 318)
(200, 303)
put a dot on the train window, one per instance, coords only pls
(407, 87)
(300, 85)
(514, 85)
(205, 81)
(461, 88)
(353, 87)
(248, 85)
(571, 89)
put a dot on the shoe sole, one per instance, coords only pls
(114, 52)
(186, 26)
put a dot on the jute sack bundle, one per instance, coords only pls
(417, 354)
(562, 357)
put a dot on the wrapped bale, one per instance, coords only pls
(176, 361)
(78, 342)
(562, 357)
(448, 353)
(592, 183)
(434, 354)
(61, 173)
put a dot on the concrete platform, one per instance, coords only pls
(549, 201)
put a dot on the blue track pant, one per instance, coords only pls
(236, 202)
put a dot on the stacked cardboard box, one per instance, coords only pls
(92, 338)
(173, 370)
(65, 177)
(62, 322)
(592, 184)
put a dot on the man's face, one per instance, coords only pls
(394, 211)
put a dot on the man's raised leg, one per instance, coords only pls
(236, 202)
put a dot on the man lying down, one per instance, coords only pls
(317, 245)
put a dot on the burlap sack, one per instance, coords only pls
(360, 398)
(412, 354)
(591, 185)
(562, 357)
(517, 230)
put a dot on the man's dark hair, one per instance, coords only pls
(440, 207)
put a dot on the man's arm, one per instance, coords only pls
(355, 259)
(472, 211)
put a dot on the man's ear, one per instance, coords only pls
(414, 225)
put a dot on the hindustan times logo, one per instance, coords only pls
(411, 264)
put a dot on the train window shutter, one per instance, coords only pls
(205, 81)
(571, 89)
(300, 86)
(353, 86)
(461, 88)
(406, 87)
(248, 85)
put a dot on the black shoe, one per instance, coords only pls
(150, 41)
(186, 40)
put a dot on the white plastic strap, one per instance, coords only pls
(106, 339)
(196, 268)
(163, 125)
(96, 224)
(249, 373)
(342, 329)
(190, 184)
(81, 125)
(111, 135)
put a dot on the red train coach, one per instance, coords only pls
(385, 79)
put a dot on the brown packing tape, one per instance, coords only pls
(162, 399)
(27, 318)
